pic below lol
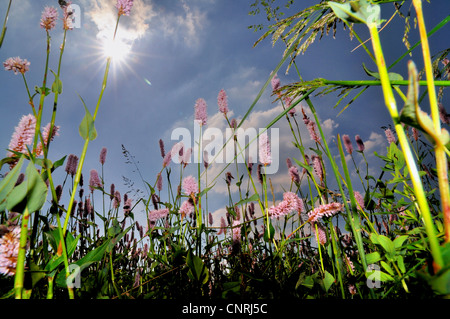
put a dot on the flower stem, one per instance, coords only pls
(441, 160)
(20, 268)
(412, 168)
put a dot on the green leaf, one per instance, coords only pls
(71, 245)
(197, 269)
(392, 76)
(384, 242)
(328, 281)
(388, 268)
(87, 127)
(378, 275)
(252, 198)
(401, 263)
(42, 90)
(8, 182)
(398, 242)
(359, 11)
(57, 84)
(412, 115)
(269, 233)
(31, 193)
(373, 257)
(305, 166)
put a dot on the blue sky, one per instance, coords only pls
(187, 50)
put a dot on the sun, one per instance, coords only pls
(118, 50)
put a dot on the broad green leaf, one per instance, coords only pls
(8, 182)
(197, 269)
(253, 198)
(305, 166)
(269, 233)
(392, 76)
(359, 11)
(398, 242)
(378, 275)
(31, 193)
(386, 267)
(401, 263)
(384, 242)
(87, 127)
(412, 115)
(373, 257)
(36, 273)
(57, 84)
(71, 245)
(328, 281)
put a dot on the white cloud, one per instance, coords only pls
(185, 26)
(103, 14)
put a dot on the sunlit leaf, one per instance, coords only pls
(87, 127)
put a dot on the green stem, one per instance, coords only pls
(20, 268)
(2, 36)
(415, 178)
(86, 143)
(441, 161)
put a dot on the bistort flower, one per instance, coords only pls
(190, 185)
(49, 18)
(200, 111)
(222, 101)
(17, 65)
(124, 7)
(9, 250)
(326, 210)
(23, 135)
(265, 156)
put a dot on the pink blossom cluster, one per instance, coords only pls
(154, 215)
(200, 111)
(124, 6)
(23, 135)
(190, 186)
(49, 18)
(9, 250)
(222, 101)
(326, 210)
(186, 209)
(265, 155)
(17, 65)
(291, 202)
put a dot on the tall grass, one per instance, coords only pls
(391, 241)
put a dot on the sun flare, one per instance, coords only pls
(118, 50)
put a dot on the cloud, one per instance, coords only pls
(185, 25)
(103, 14)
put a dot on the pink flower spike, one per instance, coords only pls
(389, 135)
(348, 144)
(9, 251)
(359, 143)
(276, 83)
(17, 65)
(49, 17)
(124, 7)
(154, 215)
(186, 208)
(190, 185)
(222, 101)
(265, 156)
(326, 210)
(94, 180)
(103, 155)
(67, 16)
(200, 111)
(23, 135)
(47, 138)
